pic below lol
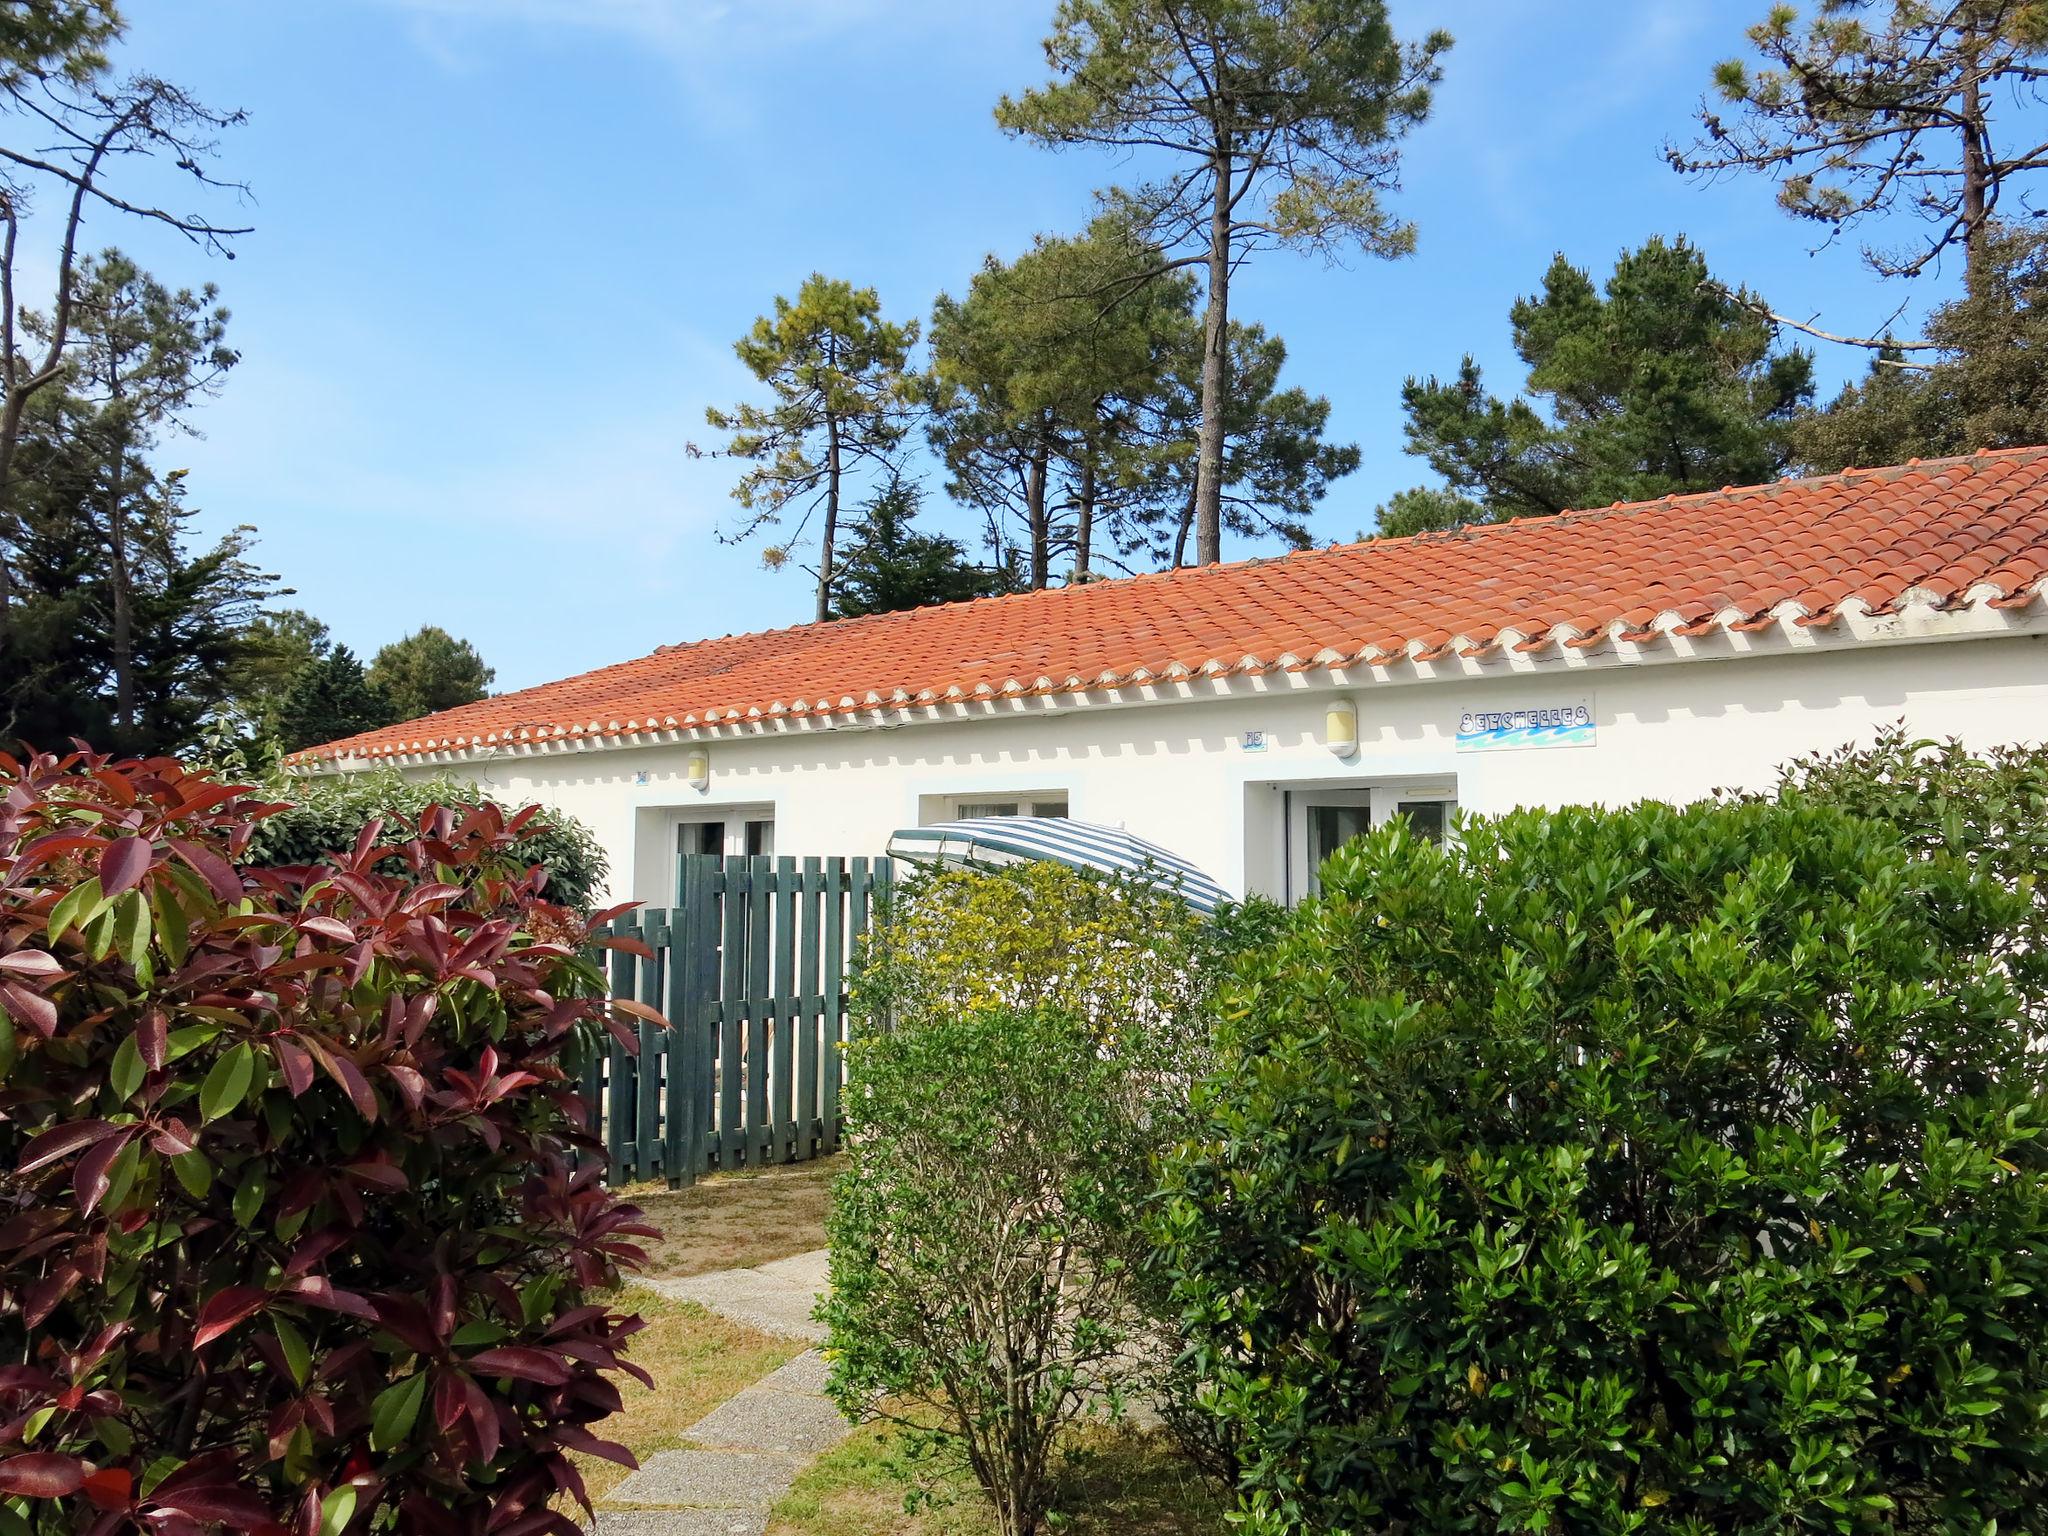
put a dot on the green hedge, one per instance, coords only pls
(326, 814)
(1657, 1169)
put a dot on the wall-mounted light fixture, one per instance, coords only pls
(1340, 727)
(697, 769)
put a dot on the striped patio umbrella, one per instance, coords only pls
(989, 842)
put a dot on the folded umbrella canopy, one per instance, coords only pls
(989, 842)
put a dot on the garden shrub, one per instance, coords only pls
(1657, 1169)
(323, 815)
(1989, 811)
(300, 1226)
(1043, 1029)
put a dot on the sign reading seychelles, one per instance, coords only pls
(1556, 725)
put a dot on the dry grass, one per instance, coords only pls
(697, 1361)
(737, 1220)
(1120, 1481)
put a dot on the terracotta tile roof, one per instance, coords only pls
(1951, 533)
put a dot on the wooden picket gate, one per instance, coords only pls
(750, 970)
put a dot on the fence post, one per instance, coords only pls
(783, 1015)
(680, 1147)
(620, 1119)
(649, 1087)
(734, 881)
(832, 1035)
(810, 1014)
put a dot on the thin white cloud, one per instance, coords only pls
(690, 30)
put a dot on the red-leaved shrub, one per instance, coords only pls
(300, 1222)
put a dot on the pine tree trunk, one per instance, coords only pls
(124, 597)
(1084, 521)
(1034, 510)
(1976, 185)
(831, 532)
(1180, 536)
(1215, 366)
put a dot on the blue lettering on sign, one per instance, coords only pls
(1548, 725)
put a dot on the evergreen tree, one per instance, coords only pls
(1276, 464)
(1984, 386)
(1040, 376)
(1282, 118)
(836, 370)
(1663, 382)
(429, 670)
(890, 565)
(1855, 121)
(80, 127)
(187, 610)
(330, 700)
(275, 648)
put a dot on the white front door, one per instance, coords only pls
(1324, 820)
(748, 830)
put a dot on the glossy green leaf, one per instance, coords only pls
(298, 1354)
(396, 1408)
(337, 1509)
(127, 1071)
(227, 1082)
(195, 1172)
(131, 926)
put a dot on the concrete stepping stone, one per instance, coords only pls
(746, 1452)
(775, 1300)
(681, 1522)
(711, 1480)
(763, 1418)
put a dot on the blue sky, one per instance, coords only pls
(503, 247)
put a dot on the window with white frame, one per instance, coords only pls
(1049, 802)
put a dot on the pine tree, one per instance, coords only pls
(836, 370)
(331, 700)
(1663, 381)
(429, 670)
(891, 566)
(1283, 118)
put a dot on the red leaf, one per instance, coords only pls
(36, 964)
(523, 1363)
(90, 1178)
(206, 799)
(216, 871)
(110, 1487)
(295, 1064)
(350, 1076)
(151, 1038)
(328, 928)
(61, 1141)
(31, 1008)
(174, 1139)
(225, 1309)
(41, 1475)
(483, 1418)
(577, 1438)
(239, 1509)
(124, 863)
(640, 1011)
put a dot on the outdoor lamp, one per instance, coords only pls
(697, 769)
(1340, 727)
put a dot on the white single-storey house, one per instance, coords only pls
(1252, 716)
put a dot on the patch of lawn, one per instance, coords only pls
(1121, 1480)
(697, 1360)
(736, 1220)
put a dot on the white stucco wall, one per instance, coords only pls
(1177, 773)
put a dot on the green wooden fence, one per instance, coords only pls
(750, 970)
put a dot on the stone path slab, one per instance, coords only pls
(681, 1522)
(720, 1479)
(746, 1452)
(777, 1301)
